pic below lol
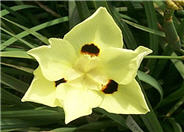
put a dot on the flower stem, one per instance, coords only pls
(164, 57)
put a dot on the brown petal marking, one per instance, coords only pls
(90, 49)
(59, 82)
(110, 87)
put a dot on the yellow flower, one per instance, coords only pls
(88, 68)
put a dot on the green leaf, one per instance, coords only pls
(152, 23)
(9, 97)
(14, 83)
(176, 126)
(177, 94)
(117, 118)
(37, 35)
(36, 28)
(26, 69)
(15, 37)
(126, 17)
(150, 119)
(153, 39)
(16, 15)
(33, 113)
(82, 9)
(151, 81)
(74, 18)
(98, 125)
(15, 54)
(64, 129)
(179, 65)
(146, 29)
(127, 34)
(16, 8)
(134, 127)
(30, 118)
(170, 125)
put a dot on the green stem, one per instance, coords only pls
(164, 57)
(176, 106)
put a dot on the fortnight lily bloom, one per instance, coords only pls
(88, 68)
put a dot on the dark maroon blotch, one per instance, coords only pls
(90, 49)
(111, 87)
(59, 82)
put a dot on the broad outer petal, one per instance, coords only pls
(77, 99)
(121, 65)
(56, 59)
(129, 99)
(41, 90)
(99, 28)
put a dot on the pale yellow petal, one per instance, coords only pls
(129, 99)
(99, 28)
(56, 59)
(121, 65)
(41, 90)
(77, 100)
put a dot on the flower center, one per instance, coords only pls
(90, 49)
(59, 82)
(111, 87)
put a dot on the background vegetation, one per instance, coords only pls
(25, 25)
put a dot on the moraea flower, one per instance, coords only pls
(88, 68)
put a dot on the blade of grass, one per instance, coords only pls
(134, 127)
(117, 118)
(126, 17)
(146, 29)
(128, 36)
(74, 18)
(96, 126)
(9, 98)
(30, 118)
(175, 107)
(16, 124)
(37, 113)
(26, 69)
(12, 99)
(173, 96)
(125, 123)
(153, 39)
(151, 81)
(82, 9)
(37, 35)
(179, 65)
(15, 54)
(36, 28)
(64, 129)
(176, 126)
(150, 119)
(15, 37)
(152, 23)
(14, 83)
(161, 64)
(22, 19)
(16, 8)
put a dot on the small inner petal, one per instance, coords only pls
(90, 49)
(59, 82)
(111, 87)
